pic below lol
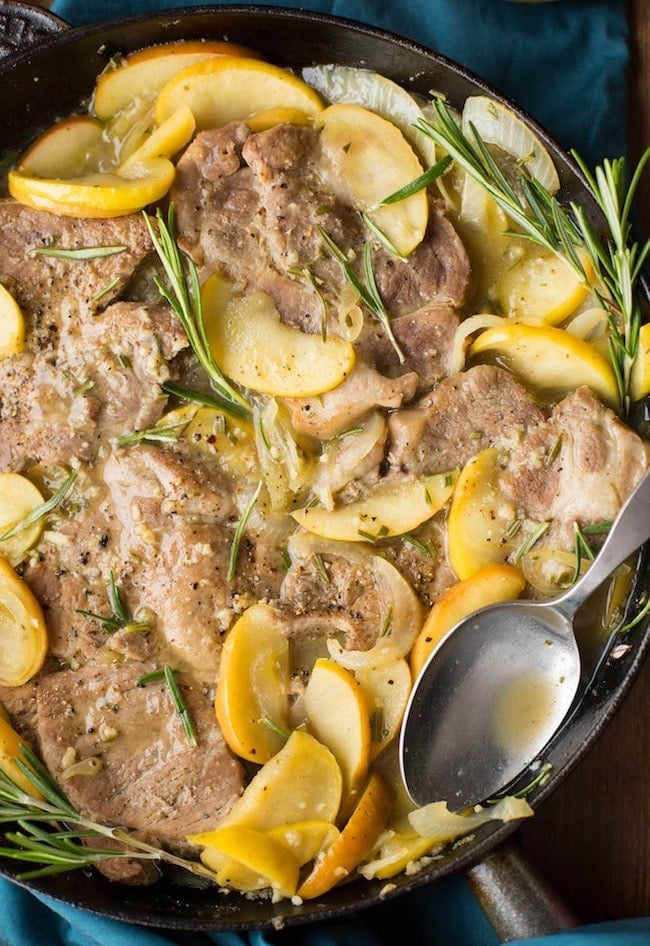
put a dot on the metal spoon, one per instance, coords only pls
(498, 686)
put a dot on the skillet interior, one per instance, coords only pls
(36, 90)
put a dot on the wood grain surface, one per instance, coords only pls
(591, 839)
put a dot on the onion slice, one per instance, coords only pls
(400, 608)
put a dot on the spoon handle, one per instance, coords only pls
(629, 531)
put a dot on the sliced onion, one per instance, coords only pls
(548, 571)
(340, 464)
(350, 316)
(284, 466)
(475, 323)
(436, 822)
(498, 125)
(400, 608)
(591, 325)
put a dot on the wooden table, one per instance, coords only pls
(592, 837)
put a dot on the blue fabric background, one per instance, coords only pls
(565, 62)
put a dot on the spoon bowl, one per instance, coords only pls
(497, 688)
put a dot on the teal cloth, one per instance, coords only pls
(564, 62)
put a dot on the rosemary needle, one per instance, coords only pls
(239, 532)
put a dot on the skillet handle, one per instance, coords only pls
(23, 26)
(517, 901)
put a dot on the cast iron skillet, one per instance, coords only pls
(48, 81)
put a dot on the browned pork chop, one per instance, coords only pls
(256, 206)
(147, 776)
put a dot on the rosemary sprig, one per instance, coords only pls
(531, 541)
(43, 509)
(184, 296)
(79, 252)
(161, 433)
(419, 184)
(180, 705)
(168, 674)
(119, 619)
(538, 216)
(369, 293)
(193, 397)
(52, 833)
(239, 532)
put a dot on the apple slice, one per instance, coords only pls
(145, 72)
(97, 194)
(255, 349)
(251, 702)
(267, 861)
(489, 585)
(302, 782)
(23, 634)
(355, 841)
(338, 716)
(541, 288)
(70, 148)
(373, 160)
(548, 359)
(166, 140)
(640, 376)
(480, 519)
(230, 88)
(12, 324)
(391, 509)
(18, 498)
(10, 743)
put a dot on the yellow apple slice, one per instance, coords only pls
(10, 743)
(338, 716)
(386, 681)
(640, 376)
(302, 782)
(391, 509)
(277, 115)
(541, 288)
(395, 853)
(488, 585)
(23, 635)
(307, 840)
(18, 498)
(70, 148)
(145, 72)
(549, 359)
(231, 88)
(12, 324)
(165, 141)
(263, 856)
(95, 195)
(374, 159)
(228, 441)
(480, 520)
(251, 703)
(255, 349)
(355, 841)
